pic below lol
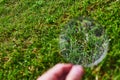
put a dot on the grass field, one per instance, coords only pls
(29, 31)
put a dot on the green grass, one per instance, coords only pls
(29, 32)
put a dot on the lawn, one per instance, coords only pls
(29, 32)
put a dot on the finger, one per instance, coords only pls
(76, 73)
(56, 72)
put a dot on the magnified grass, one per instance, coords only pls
(83, 41)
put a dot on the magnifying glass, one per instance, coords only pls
(83, 41)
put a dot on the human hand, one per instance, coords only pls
(63, 72)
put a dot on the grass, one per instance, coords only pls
(29, 32)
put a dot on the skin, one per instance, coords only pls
(63, 72)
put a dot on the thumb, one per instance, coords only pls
(76, 73)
